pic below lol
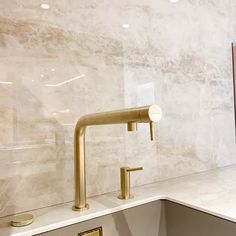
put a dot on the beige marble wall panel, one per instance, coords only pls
(78, 57)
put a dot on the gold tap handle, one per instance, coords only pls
(134, 169)
(152, 130)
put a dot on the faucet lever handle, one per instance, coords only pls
(152, 130)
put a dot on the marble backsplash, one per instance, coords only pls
(81, 57)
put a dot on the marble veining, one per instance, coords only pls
(76, 58)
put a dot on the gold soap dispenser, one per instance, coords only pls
(125, 182)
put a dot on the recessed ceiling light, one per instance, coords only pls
(125, 26)
(174, 1)
(45, 6)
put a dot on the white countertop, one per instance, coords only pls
(212, 192)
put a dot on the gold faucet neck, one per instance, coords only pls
(138, 114)
(131, 116)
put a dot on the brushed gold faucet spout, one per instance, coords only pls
(132, 116)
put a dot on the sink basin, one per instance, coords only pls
(158, 218)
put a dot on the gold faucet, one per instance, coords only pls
(131, 116)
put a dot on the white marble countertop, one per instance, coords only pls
(212, 191)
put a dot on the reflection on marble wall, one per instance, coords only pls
(79, 57)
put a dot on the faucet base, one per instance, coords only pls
(81, 209)
(125, 198)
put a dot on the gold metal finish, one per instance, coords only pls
(134, 169)
(152, 130)
(81, 209)
(130, 116)
(125, 182)
(132, 126)
(93, 232)
(22, 220)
